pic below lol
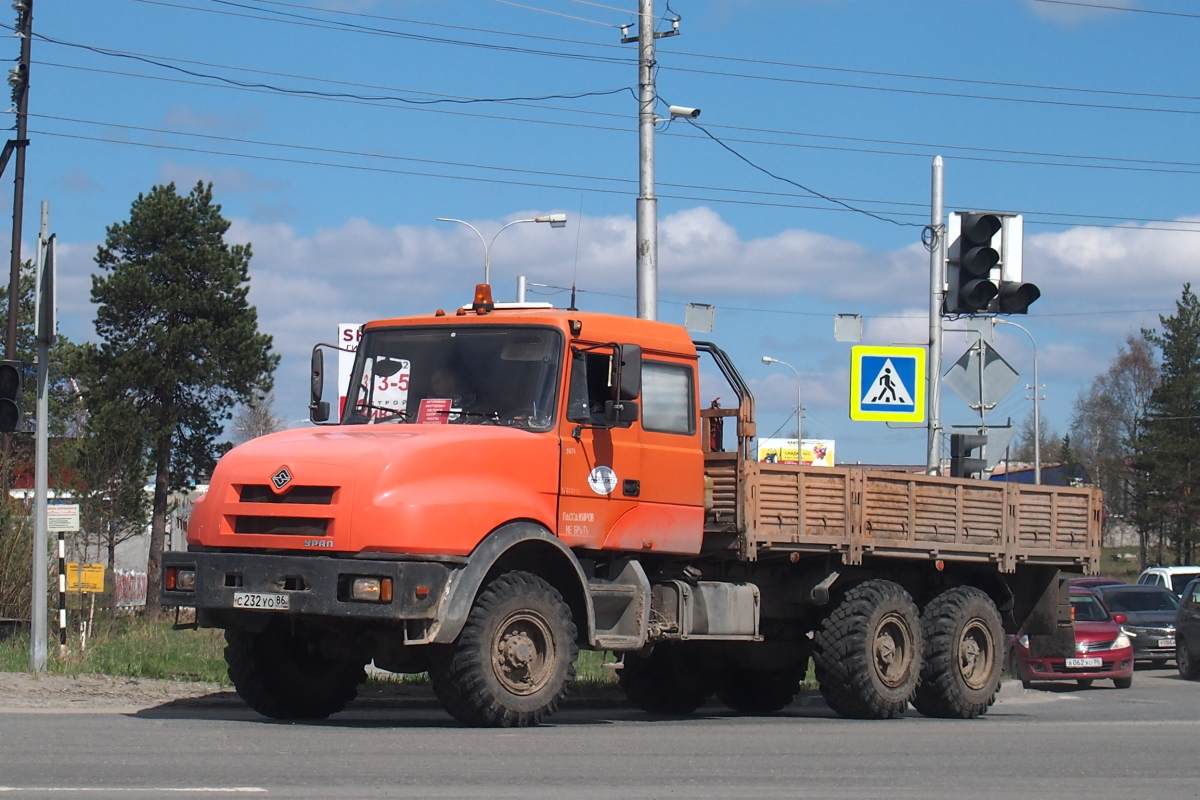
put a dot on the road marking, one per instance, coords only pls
(180, 789)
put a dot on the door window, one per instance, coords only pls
(667, 405)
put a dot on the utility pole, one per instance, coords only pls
(937, 283)
(647, 203)
(44, 333)
(18, 78)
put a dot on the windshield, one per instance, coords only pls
(477, 375)
(1180, 580)
(1086, 608)
(1141, 600)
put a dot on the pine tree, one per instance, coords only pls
(1168, 451)
(180, 344)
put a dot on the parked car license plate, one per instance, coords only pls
(1166, 642)
(267, 602)
(1082, 663)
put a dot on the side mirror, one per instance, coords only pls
(318, 410)
(628, 383)
(1120, 619)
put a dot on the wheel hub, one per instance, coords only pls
(976, 652)
(523, 653)
(892, 651)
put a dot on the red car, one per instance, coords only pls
(1102, 651)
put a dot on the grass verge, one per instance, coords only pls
(129, 646)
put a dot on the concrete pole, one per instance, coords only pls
(37, 616)
(647, 204)
(937, 282)
(25, 31)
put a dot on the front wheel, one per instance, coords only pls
(963, 641)
(288, 671)
(1189, 668)
(868, 652)
(511, 663)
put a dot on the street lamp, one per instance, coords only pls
(555, 220)
(799, 405)
(1037, 423)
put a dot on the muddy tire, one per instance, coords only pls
(757, 691)
(868, 651)
(284, 673)
(964, 646)
(511, 664)
(665, 682)
(1189, 668)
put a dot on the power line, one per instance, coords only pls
(315, 22)
(845, 202)
(333, 95)
(1123, 163)
(357, 98)
(545, 11)
(1120, 8)
(766, 171)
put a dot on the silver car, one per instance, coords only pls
(1149, 613)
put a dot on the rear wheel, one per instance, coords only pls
(513, 659)
(1122, 683)
(1158, 663)
(290, 671)
(1085, 683)
(665, 681)
(963, 645)
(868, 650)
(750, 691)
(1189, 667)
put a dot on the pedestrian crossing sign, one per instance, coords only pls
(887, 384)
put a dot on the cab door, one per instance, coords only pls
(601, 468)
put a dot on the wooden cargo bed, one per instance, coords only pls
(857, 512)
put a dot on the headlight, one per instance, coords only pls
(1128, 632)
(1024, 642)
(1122, 642)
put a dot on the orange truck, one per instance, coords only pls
(509, 483)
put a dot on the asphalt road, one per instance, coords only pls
(1062, 743)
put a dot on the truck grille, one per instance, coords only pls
(281, 526)
(300, 495)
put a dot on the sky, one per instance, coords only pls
(335, 132)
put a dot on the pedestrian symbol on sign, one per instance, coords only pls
(887, 384)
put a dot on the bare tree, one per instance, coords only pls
(255, 419)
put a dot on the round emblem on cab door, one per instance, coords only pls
(602, 480)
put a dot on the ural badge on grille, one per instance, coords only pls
(281, 478)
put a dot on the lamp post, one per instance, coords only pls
(555, 220)
(799, 405)
(1037, 423)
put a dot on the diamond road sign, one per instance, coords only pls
(981, 379)
(887, 384)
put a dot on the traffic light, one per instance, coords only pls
(1015, 297)
(971, 256)
(962, 463)
(983, 271)
(12, 374)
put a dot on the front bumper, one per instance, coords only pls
(1114, 664)
(313, 585)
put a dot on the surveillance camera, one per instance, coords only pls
(684, 111)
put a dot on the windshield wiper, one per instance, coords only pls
(395, 414)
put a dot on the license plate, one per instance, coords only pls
(1083, 663)
(1166, 642)
(267, 602)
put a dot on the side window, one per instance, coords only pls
(589, 389)
(667, 405)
